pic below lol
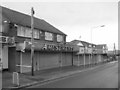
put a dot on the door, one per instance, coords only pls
(5, 57)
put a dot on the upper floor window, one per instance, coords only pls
(48, 36)
(36, 34)
(59, 38)
(20, 31)
(90, 45)
(27, 32)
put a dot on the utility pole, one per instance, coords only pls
(32, 42)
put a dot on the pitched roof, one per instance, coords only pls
(25, 20)
(76, 42)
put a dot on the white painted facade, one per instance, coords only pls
(4, 57)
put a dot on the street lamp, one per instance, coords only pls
(91, 38)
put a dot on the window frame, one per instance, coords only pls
(27, 29)
(36, 34)
(58, 39)
(49, 37)
(20, 31)
(23, 32)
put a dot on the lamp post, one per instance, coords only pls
(91, 39)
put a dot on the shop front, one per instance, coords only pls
(46, 56)
(5, 43)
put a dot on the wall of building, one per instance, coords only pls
(47, 60)
(43, 60)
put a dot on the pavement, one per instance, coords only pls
(26, 80)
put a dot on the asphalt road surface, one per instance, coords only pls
(104, 76)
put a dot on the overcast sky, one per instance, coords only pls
(77, 18)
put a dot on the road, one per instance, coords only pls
(104, 76)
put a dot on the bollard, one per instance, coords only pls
(16, 79)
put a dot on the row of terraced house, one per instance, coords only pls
(50, 47)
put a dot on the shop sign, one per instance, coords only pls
(56, 47)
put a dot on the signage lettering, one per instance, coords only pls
(57, 47)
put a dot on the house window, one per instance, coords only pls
(28, 32)
(20, 31)
(48, 36)
(41, 34)
(36, 34)
(90, 45)
(59, 38)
